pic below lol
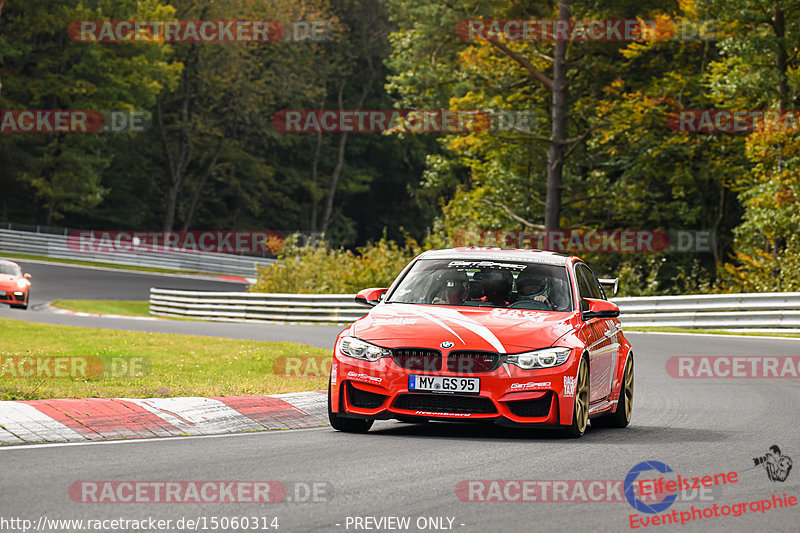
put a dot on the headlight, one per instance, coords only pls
(547, 358)
(22, 283)
(358, 349)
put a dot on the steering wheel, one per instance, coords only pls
(533, 305)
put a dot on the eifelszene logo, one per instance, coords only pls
(630, 487)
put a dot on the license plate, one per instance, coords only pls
(2, 294)
(444, 384)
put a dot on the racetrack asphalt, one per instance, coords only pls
(696, 426)
(51, 281)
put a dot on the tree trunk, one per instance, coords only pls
(781, 62)
(177, 162)
(555, 155)
(337, 171)
(51, 204)
(314, 181)
(781, 59)
(197, 190)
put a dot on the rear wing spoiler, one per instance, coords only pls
(610, 285)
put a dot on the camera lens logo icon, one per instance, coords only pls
(630, 484)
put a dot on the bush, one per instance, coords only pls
(318, 269)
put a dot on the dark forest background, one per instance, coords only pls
(213, 160)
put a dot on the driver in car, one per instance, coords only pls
(452, 288)
(533, 286)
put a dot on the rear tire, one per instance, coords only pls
(348, 425)
(19, 306)
(622, 417)
(580, 413)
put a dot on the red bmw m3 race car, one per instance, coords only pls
(515, 337)
(14, 286)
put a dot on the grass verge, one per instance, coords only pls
(105, 307)
(714, 332)
(144, 365)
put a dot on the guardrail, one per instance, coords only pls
(256, 307)
(57, 247)
(777, 310)
(714, 311)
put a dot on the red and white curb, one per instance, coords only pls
(94, 419)
(60, 311)
(239, 279)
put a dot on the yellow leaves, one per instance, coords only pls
(689, 8)
(274, 244)
(784, 197)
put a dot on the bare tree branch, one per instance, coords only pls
(513, 215)
(524, 63)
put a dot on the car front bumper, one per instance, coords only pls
(508, 395)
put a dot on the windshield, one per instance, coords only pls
(10, 270)
(481, 283)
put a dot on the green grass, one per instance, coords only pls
(179, 365)
(22, 257)
(715, 332)
(105, 307)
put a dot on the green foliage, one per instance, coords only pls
(218, 163)
(319, 269)
(759, 68)
(43, 69)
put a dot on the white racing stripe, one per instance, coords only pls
(434, 314)
(26, 423)
(198, 416)
(433, 319)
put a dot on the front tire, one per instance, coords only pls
(580, 413)
(622, 417)
(22, 306)
(348, 425)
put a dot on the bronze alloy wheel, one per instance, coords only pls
(580, 416)
(622, 417)
(628, 390)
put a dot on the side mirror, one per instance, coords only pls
(370, 297)
(610, 285)
(27, 276)
(600, 309)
